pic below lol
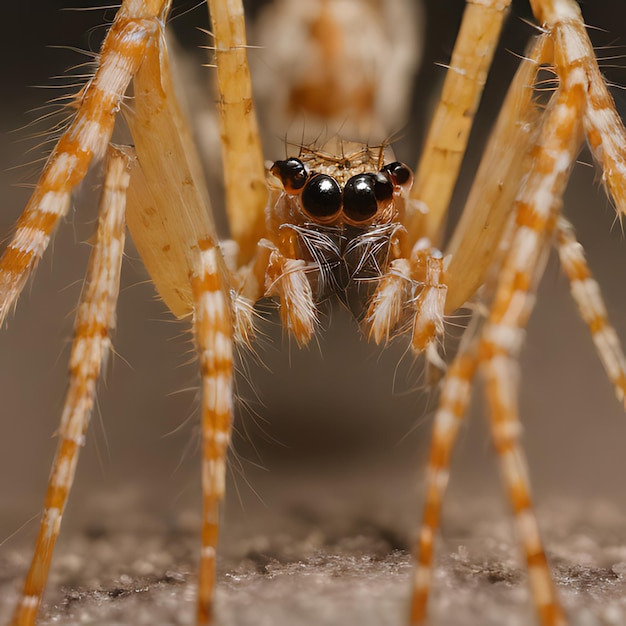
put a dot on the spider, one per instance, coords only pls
(357, 203)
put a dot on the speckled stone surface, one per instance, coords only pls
(330, 565)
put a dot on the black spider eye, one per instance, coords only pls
(399, 173)
(359, 197)
(292, 174)
(321, 197)
(383, 187)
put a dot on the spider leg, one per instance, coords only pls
(171, 226)
(87, 138)
(506, 159)
(449, 131)
(501, 375)
(452, 406)
(573, 52)
(94, 322)
(537, 207)
(588, 297)
(419, 284)
(274, 271)
(244, 170)
(455, 396)
(279, 272)
(214, 336)
(169, 209)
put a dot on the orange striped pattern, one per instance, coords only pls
(501, 374)
(86, 139)
(455, 396)
(588, 297)
(94, 321)
(214, 336)
(537, 210)
(604, 128)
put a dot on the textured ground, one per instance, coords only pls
(328, 568)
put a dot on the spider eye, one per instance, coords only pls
(292, 174)
(399, 173)
(321, 197)
(362, 193)
(383, 186)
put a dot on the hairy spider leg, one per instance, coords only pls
(453, 403)
(588, 297)
(537, 210)
(214, 336)
(87, 138)
(95, 321)
(440, 161)
(172, 228)
(576, 63)
(244, 169)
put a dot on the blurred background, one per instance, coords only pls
(339, 429)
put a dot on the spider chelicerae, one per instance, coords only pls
(526, 170)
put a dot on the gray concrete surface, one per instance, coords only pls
(327, 566)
